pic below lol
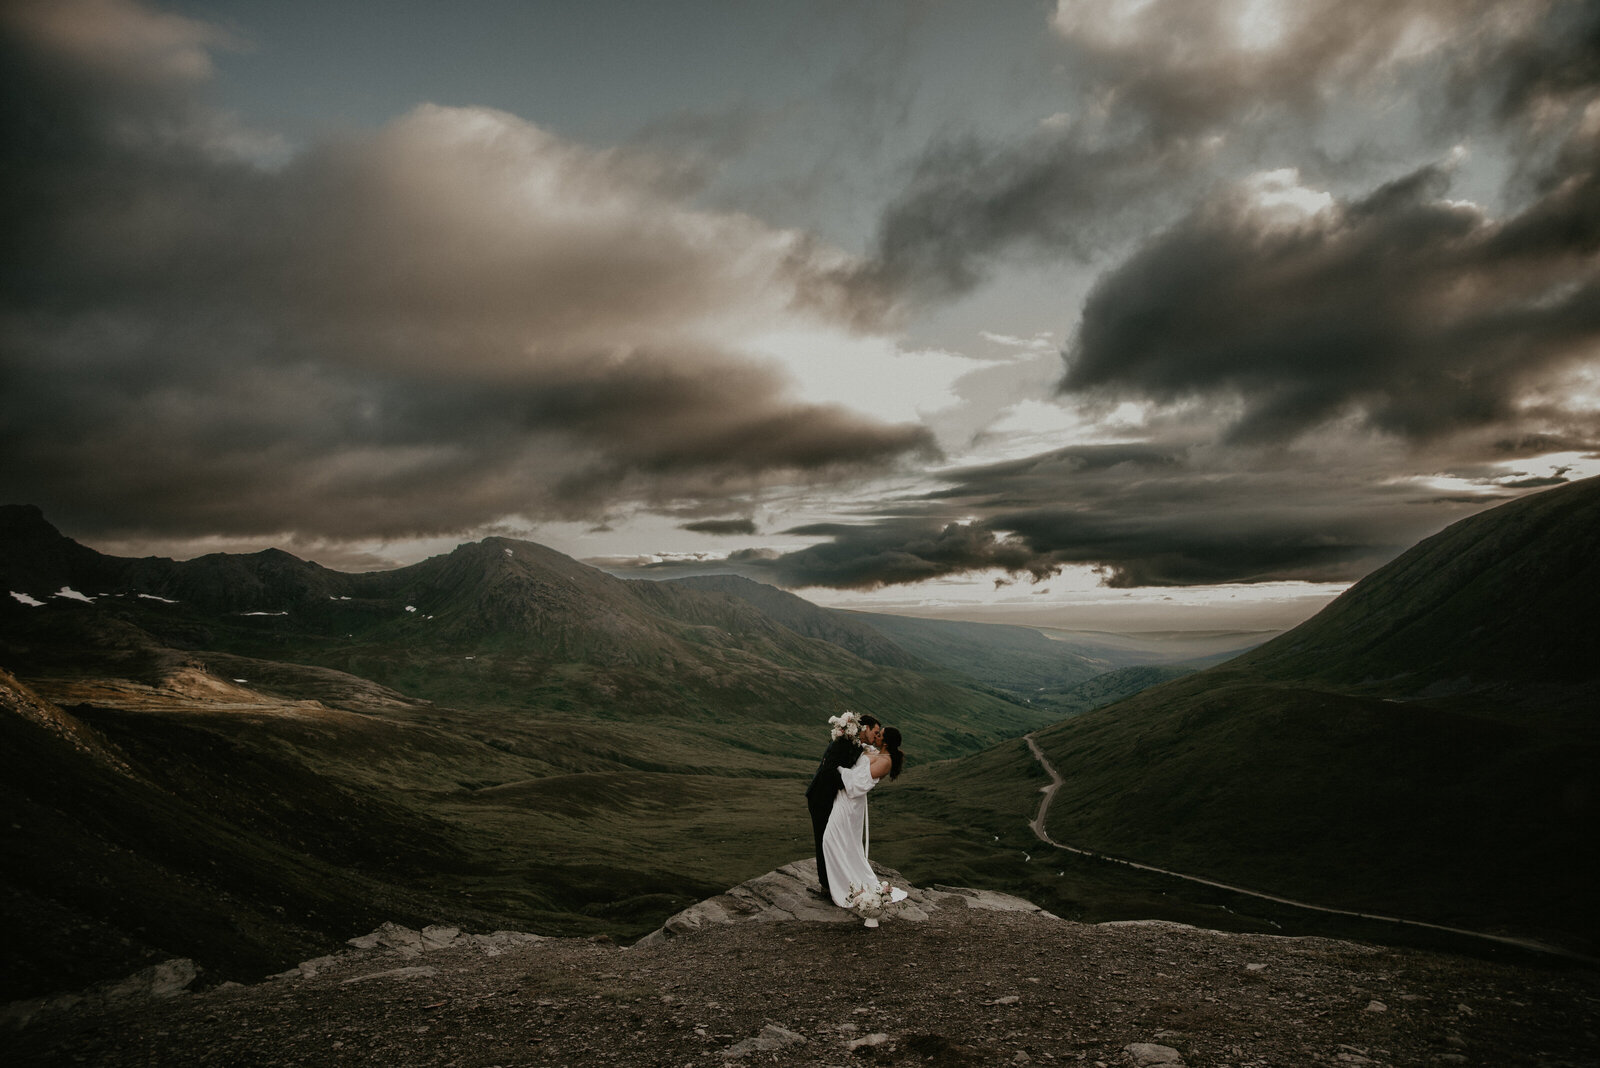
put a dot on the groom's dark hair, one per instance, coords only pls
(868, 721)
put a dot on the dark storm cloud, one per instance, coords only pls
(1415, 314)
(969, 202)
(1184, 66)
(1555, 58)
(893, 551)
(1399, 308)
(1143, 516)
(417, 330)
(721, 526)
(1015, 483)
(1182, 93)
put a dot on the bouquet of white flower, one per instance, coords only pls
(869, 902)
(845, 725)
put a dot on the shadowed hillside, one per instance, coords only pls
(114, 858)
(1425, 746)
(1501, 605)
(801, 616)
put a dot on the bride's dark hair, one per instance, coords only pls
(891, 742)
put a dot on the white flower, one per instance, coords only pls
(868, 901)
(845, 725)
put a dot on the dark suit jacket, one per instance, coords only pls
(841, 753)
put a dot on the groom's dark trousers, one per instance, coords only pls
(842, 753)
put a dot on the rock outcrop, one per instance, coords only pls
(792, 892)
(762, 976)
(168, 979)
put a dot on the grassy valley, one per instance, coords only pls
(500, 737)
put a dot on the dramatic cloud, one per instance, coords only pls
(1319, 276)
(1202, 517)
(1312, 338)
(1190, 65)
(889, 552)
(1416, 314)
(722, 526)
(1169, 96)
(1140, 514)
(456, 318)
(968, 203)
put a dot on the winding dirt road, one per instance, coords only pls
(1037, 825)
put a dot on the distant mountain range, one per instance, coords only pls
(1055, 676)
(499, 623)
(1427, 745)
(519, 608)
(293, 750)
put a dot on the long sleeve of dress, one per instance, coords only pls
(857, 779)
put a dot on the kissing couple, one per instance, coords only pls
(862, 752)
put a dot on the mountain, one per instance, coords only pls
(1501, 603)
(113, 857)
(1426, 746)
(843, 629)
(501, 623)
(240, 758)
(1056, 675)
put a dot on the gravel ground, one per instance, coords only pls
(966, 987)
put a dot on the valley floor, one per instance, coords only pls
(965, 987)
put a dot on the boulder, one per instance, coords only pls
(792, 892)
(772, 1037)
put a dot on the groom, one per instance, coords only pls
(825, 784)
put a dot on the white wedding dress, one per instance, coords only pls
(844, 843)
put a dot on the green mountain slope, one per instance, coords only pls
(1502, 602)
(1426, 746)
(114, 857)
(497, 625)
(859, 636)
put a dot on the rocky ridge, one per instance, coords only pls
(768, 973)
(792, 893)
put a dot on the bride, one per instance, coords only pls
(844, 843)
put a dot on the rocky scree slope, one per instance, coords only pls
(956, 984)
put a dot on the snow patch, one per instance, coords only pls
(263, 613)
(411, 608)
(25, 599)
(73, 595)
(153, 597)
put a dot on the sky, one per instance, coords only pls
(1122, 313)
